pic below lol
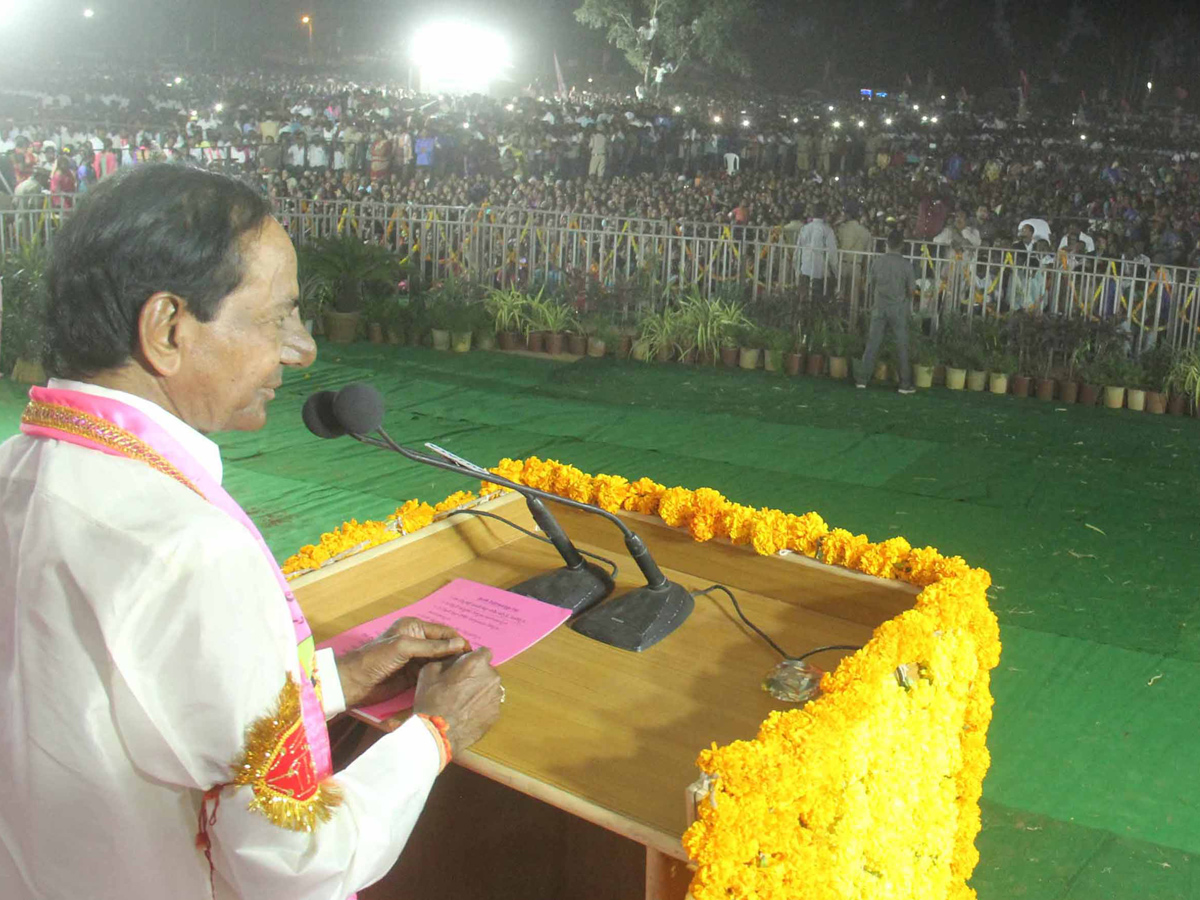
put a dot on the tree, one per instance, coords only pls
(658, 37)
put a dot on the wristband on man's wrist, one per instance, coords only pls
(438, 728)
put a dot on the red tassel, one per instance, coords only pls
(203, 841)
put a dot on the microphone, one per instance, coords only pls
(634, 621)
(357, 410)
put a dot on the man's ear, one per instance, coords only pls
(160, 325)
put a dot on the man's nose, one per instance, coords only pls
(299, 349)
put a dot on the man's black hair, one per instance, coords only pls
(895, 239)
(159, 227)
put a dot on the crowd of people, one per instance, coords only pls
(942, 173)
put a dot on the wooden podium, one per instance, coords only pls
(605, 735)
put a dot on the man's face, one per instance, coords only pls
(1027, 233)
(233, 364)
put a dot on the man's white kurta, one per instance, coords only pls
(141, 633)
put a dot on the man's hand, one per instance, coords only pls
(465, 692)
(389, 665)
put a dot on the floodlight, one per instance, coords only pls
(717, 119)
(304, 20)
(510, 107)
(679, 109)
(831, 109)
(934, 120)
(459, 57)
(745, 123)
(862, 124)
(837, 124)
(178, 80)
(943, 96)
(1149, 85)
(589, 79)
(795, 120)
(218, 107)
(916, 107)
(1083, 137)
(89, 13)
(887, 121)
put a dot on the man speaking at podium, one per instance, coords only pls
(162, 709)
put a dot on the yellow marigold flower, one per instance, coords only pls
(610, 491)
(454, 501)
(643, 497)
(675, 506)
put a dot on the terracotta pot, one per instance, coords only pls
(998, 383)
(772, 360)
(555, 342)
(342, 328)
(1156, 403)
(729, 357)
(1089, 394)
(923, 376)
(748, 357)
(577, 344)
(441, 339)
(625, 346)
(1114, 396)
(596, 347)
(1177, 405)
(815, 364)
(375, 333)
(793, 363)
(939, 374)
(460, 342)
(510, 340)
(839, 367)
(395, 335)
(882, 372)
(1020, 386)
(956, 379)
(976, 380)
(537, 342)
(1068, 392)
(1135, 399)
(1045, 389)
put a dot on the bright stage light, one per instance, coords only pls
(178, 80)
(831, 109)
(466, 124)
(943, 96)
(887, 121)
(1083, 137)
(458, 57)
(862, 124)
(679, 109)
(745, 123)
(916, 107)
(218, 107)
(717, 119)
(934, 120)
(89, 13)
(837, 124)
(795, 120)
(510, 107)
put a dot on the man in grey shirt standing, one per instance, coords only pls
(893, 282)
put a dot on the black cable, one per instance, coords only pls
(535, 536)
(762, 634)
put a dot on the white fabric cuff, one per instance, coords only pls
(332, 699)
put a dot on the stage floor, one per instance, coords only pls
(1088, 520)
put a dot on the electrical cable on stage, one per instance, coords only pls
(762, 634)
(528, 533)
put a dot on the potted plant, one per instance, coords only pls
(775, 342)
(461, 321)
(818, 344)
(1000, 367)
(1023, 337)
(1157, 364)
(840, 342)
(656, 336)
(1135, 387)
(349, 266)
(314, 293)
(1092, 373)
(483, 327)
(24, 289)
(1117, 374)
(441, 317)
(729, 349)
(980, 342)
(577, 339)
(604, 337)
(924, 353)
(378, 311)
(553, 319)
(953, 343)
(1042, 351)
(749, 347)
(793, 362)
(1182, 383)
(509, 309)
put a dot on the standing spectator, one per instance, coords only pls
(854, 243)
(893, 283)
(62, 182)
(818, 248)
(318, 158)
(297, 155)
(598, 145)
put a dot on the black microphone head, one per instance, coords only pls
(319, 416)
(359, 408)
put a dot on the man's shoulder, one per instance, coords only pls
(119, 501)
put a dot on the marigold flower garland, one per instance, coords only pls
(872, 790)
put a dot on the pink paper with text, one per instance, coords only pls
(486, 616)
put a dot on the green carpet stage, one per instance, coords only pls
(1087, 519)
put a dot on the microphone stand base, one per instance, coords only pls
(575, 589)
(639, 619)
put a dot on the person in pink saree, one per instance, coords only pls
(162, 708)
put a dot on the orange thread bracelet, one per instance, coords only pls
(440, 726)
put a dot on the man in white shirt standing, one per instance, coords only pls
(162, 707)
(817, 254)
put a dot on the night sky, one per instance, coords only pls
(1065, 47)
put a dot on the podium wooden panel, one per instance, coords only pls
(603, 734)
